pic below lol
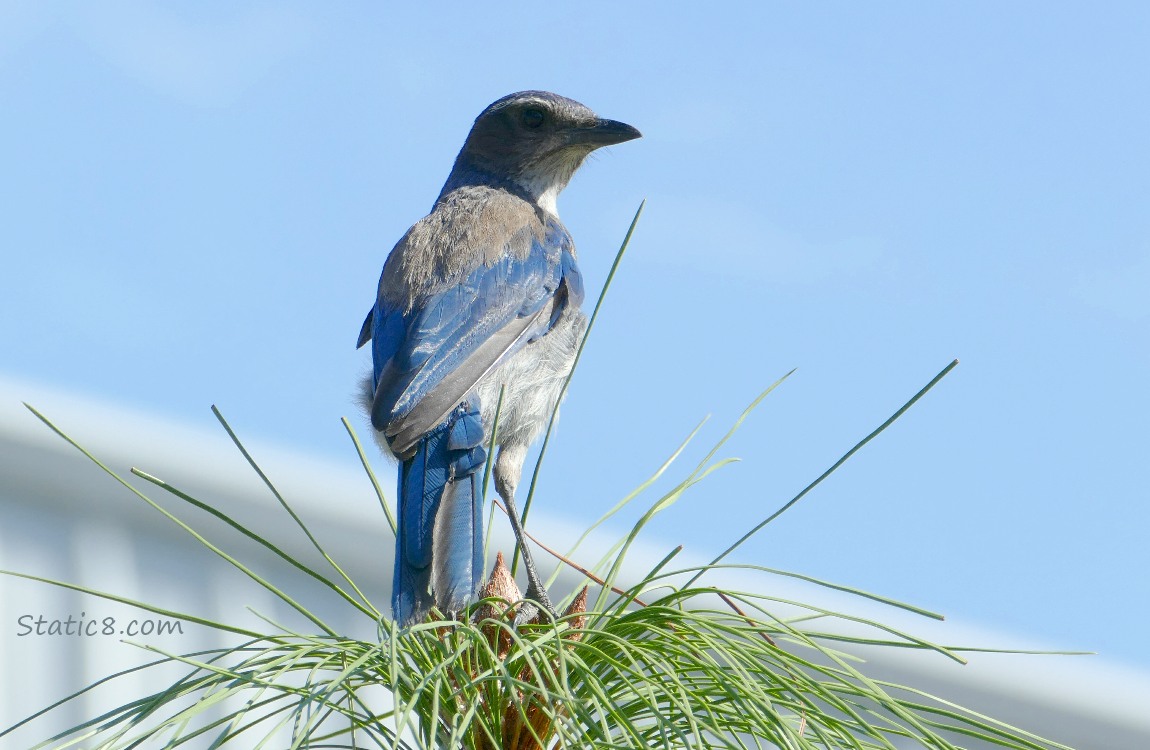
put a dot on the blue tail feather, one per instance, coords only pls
(439, 542)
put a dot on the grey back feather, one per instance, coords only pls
(468, 227)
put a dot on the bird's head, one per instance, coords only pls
(534, 140)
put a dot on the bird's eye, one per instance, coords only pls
(533, 118)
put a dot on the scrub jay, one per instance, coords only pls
(481, 294)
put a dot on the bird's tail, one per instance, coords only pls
(439, 542)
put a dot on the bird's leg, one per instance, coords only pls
(536, 592)
(507, 471)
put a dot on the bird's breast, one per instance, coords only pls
(531, 379)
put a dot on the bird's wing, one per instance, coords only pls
(428, 358)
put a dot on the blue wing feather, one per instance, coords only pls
(415, 351)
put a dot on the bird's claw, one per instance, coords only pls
(536, 602)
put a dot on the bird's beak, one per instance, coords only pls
(602, 133)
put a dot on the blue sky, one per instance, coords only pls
(195, 203)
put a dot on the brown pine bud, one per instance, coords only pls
(578, 607)
(502, 589)
(499, 586)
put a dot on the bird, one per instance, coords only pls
(480, 299)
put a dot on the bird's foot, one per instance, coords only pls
(529, 611)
